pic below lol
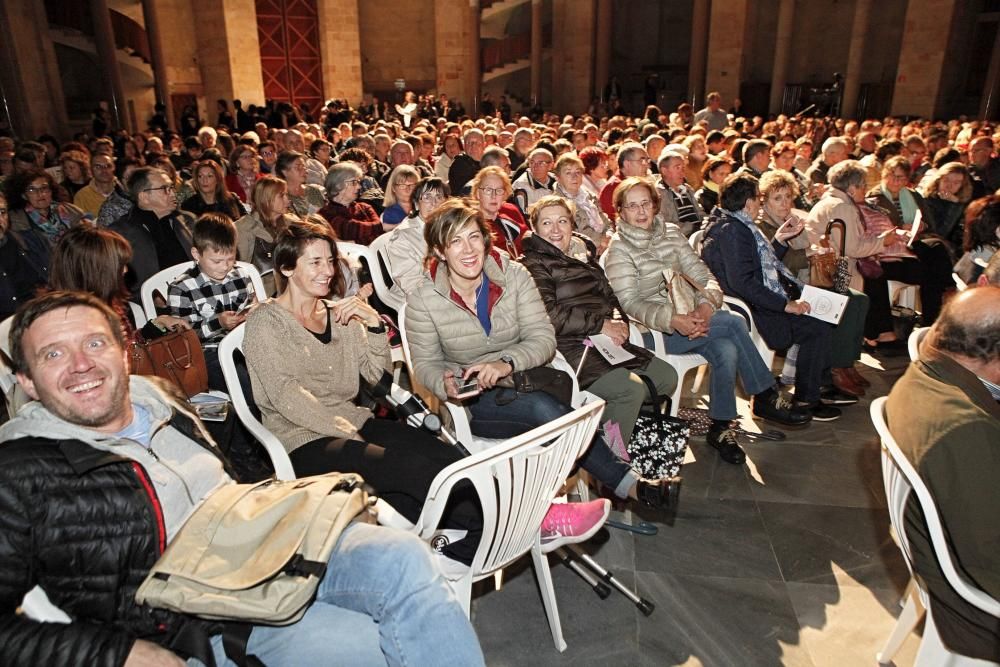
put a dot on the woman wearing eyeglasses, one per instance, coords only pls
(638, 254)
(33, 208)
(398, 201)
(350, 219)
(491, 188)
(243, 172)
(407, 246)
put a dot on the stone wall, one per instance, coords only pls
(397, 42)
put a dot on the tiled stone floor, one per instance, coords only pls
(785, 561)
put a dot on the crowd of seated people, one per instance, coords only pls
(494, 230)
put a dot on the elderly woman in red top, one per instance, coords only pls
(350, 219)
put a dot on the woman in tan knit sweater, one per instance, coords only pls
(306, 354)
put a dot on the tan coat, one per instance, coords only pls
(636, 259)
(836, 204)
(445, 335)
(305, 389)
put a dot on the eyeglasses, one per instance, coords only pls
(637, 206)
(644, 160)
(493, 192)
(352, 181)
(166, 188)
(39, 190)
(431, 198)
(540, 163)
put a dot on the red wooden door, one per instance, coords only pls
(289, 51)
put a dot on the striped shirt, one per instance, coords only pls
(198, 299)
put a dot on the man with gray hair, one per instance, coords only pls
(537, 180)
(633, 160)
(834, 150)
(944, 414)
(677, 201)
(466, 164)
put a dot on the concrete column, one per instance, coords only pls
(30, 86)
(727, 35)
(451, 49)
(926, 30)
(104, 39)
(782, 49)
(990, 103)
(340, 49)
(855, 58)
(699, 53)
(602, 44)
(228, 52)
(161, 83)
(474, 64)
(573, 23)
(536, 50)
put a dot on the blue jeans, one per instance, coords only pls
(529, 411)
(382, 601)
(729, 351)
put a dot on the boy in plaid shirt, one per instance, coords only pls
(214, 296)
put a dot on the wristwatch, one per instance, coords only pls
(507, 359)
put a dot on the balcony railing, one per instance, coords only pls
(129, 35)
(499, 52)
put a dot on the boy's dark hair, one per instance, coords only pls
(214, 231)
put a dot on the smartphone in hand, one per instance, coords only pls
(467, 387)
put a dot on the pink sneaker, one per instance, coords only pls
(569, 523)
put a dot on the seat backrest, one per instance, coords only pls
(138, 314)
(913, 342)
(5, 335)
(695, 240)
(901, 479)
(516, 481)
(160, 281)
(228, 348)
(370, 259)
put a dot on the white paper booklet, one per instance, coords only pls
(826, 305)
(615, 354)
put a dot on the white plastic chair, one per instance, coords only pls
(516, 482)
(370, 254)
(380, 248)
(913, 342)
(903, 294)
(900, 479)
(160, 281)
(387, 516)
(358, 252)
(696, 239)
(227, 350)
(5, 335)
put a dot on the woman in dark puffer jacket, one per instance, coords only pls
(581, 303)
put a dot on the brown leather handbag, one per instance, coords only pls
(176, 357)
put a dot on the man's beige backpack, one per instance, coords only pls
(256, 552)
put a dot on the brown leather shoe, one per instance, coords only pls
(858, 378)
(843, 381)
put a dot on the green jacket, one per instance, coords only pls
(948, 426)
